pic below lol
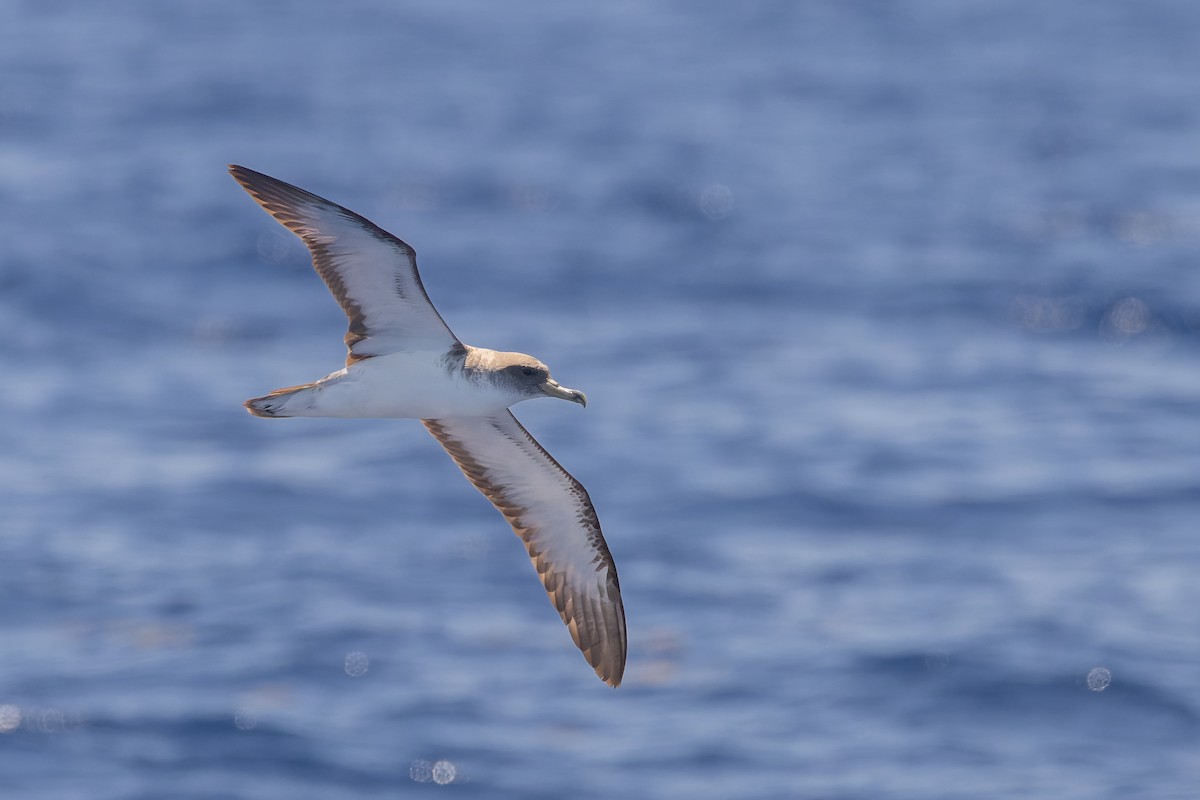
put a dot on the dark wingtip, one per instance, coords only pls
(245, 176)
(609, 667)
(614, 679)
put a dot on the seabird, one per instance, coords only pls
(404, 362)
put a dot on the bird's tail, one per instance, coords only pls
(275, 404)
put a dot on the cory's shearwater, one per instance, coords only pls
(405, 362)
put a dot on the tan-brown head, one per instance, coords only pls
(521, 376)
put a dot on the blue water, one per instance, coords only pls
(889, 316)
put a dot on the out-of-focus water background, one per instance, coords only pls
(889, 315)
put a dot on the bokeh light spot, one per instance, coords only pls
(420, 771)
(444, 772)
(937, 662)
(10, 718)
(357, 664)
(1046, 314)
(716, 201)
(440, 772)
(51, 720)
(1129, 316)
(1099, 679)
(274, 247)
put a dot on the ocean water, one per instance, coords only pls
(889, 317)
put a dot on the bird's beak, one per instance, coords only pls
(551, 388)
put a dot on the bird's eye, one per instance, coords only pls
(528, 372)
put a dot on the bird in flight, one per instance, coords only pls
(404, 362)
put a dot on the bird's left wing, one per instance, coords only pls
(553, 515)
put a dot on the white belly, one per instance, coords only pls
(397, 385)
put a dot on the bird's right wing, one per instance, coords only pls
(372, 274)
(553, 515)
